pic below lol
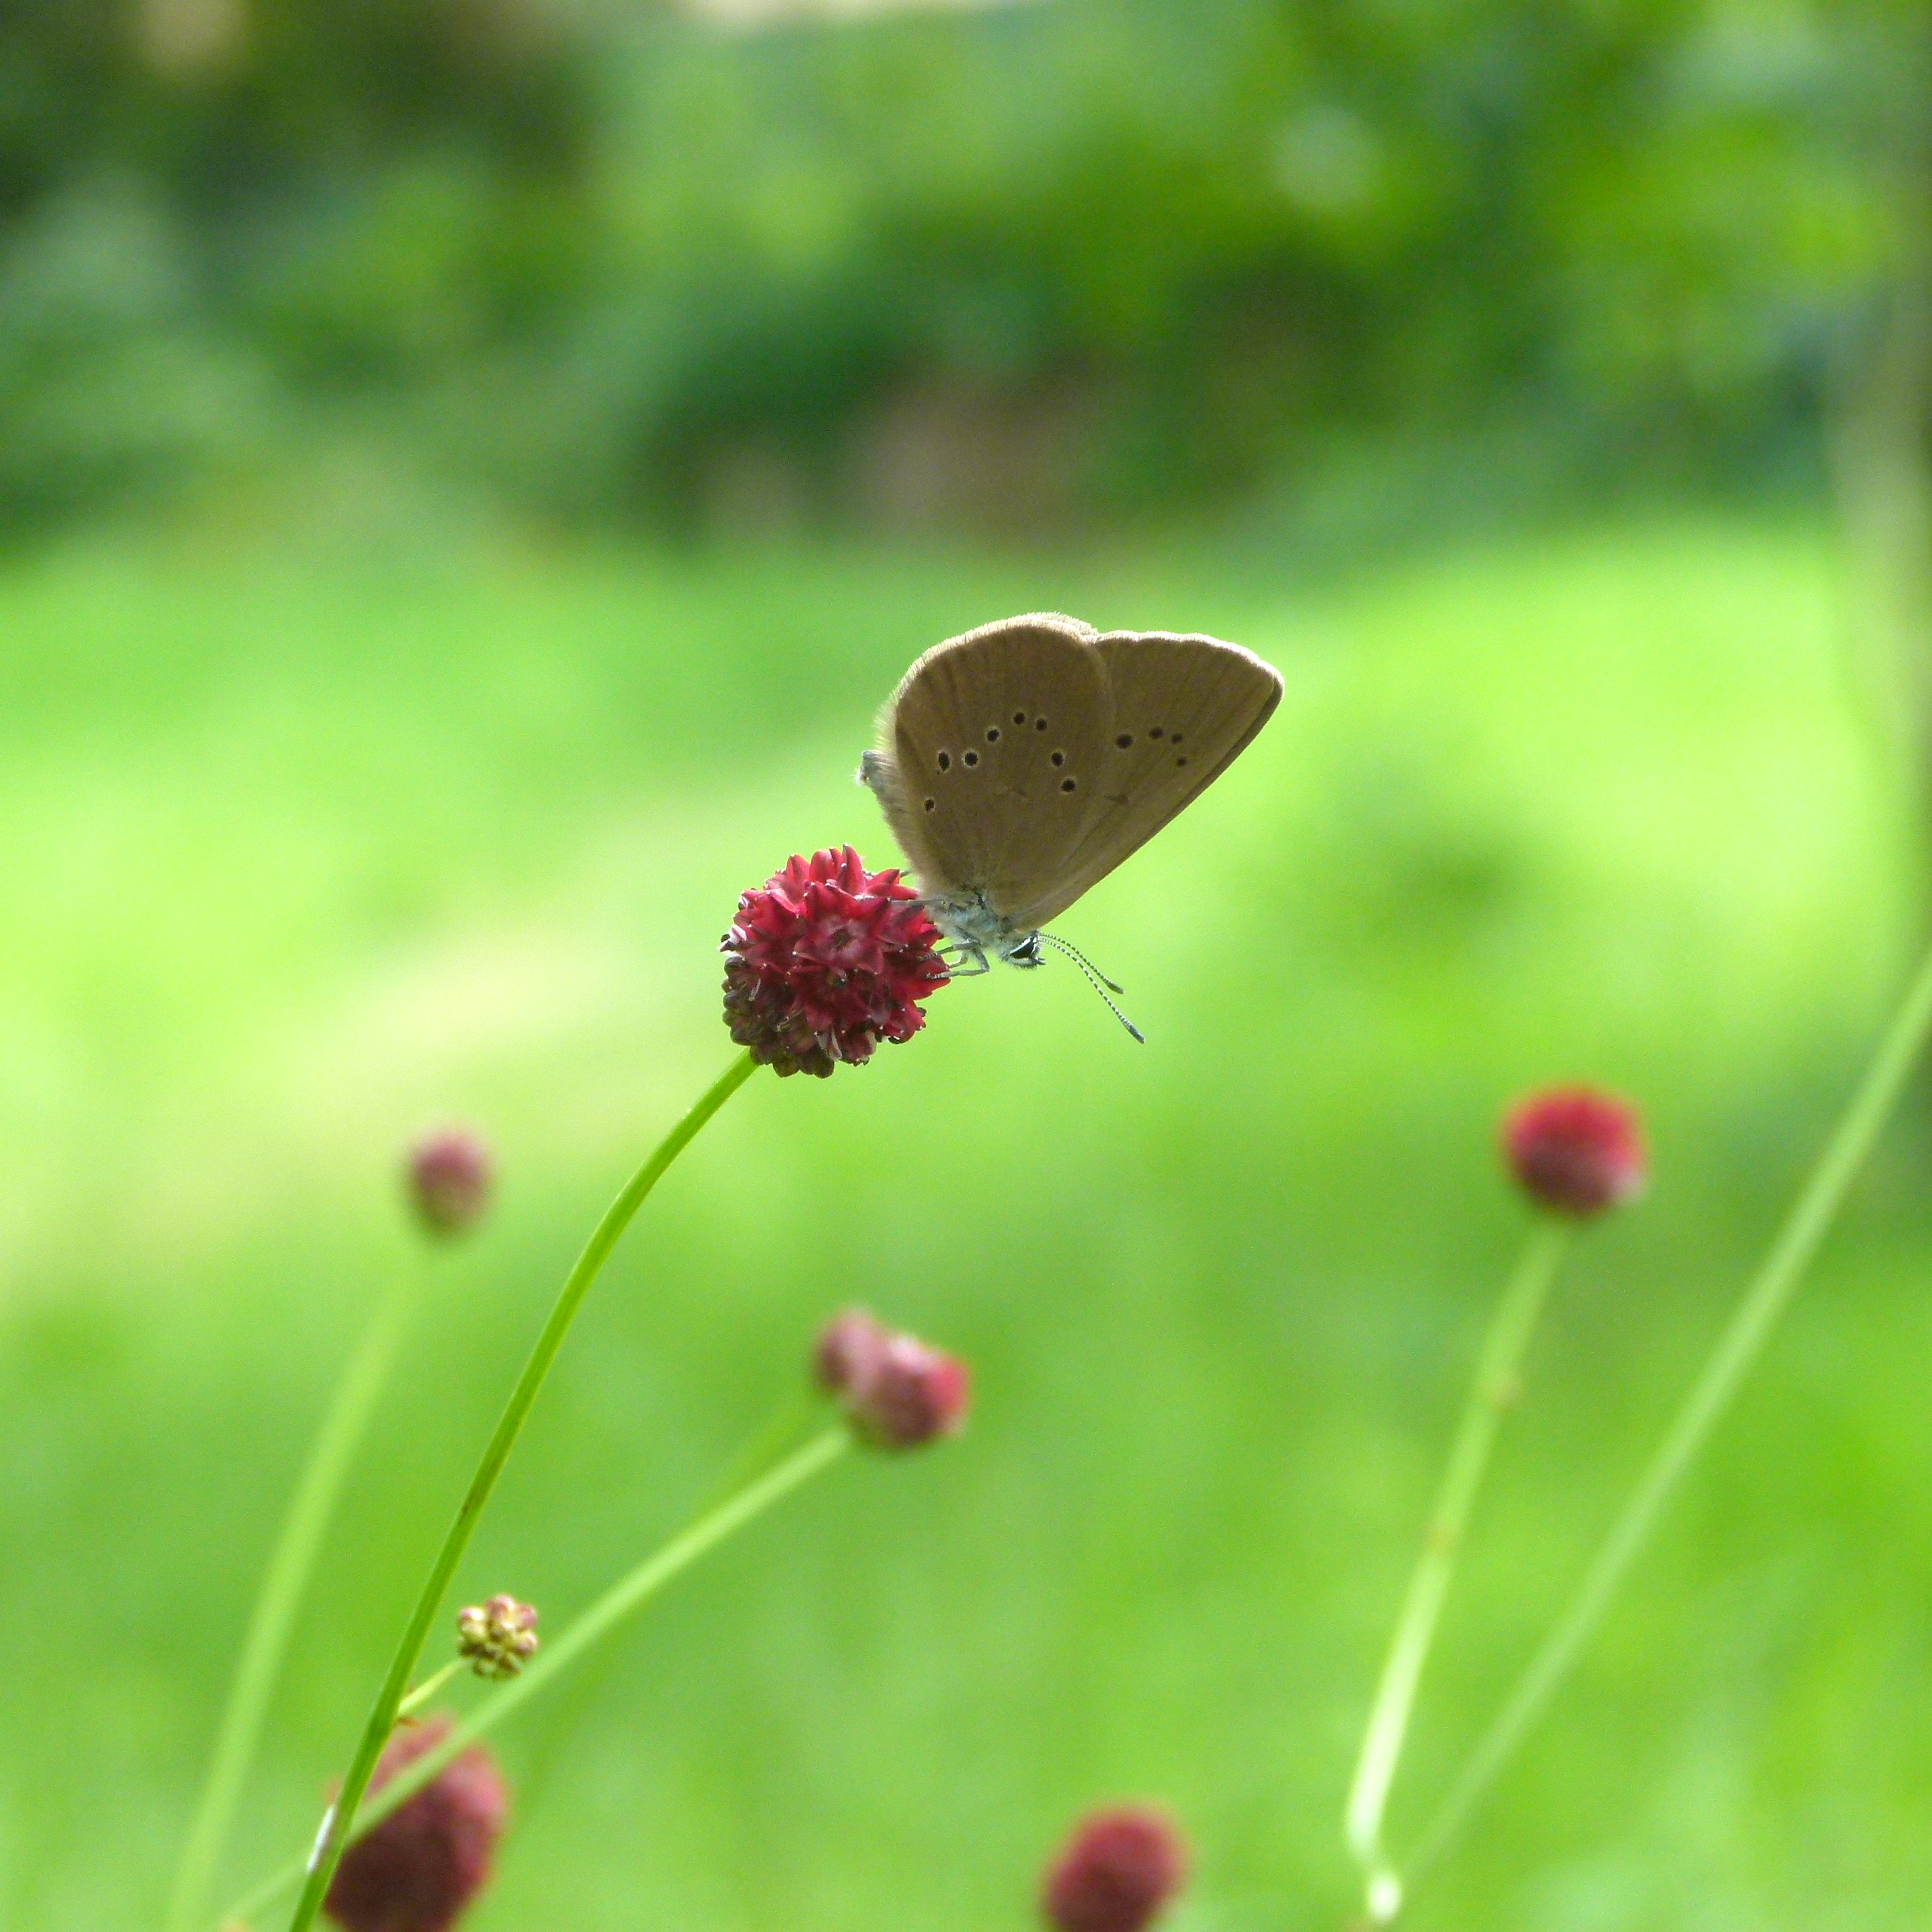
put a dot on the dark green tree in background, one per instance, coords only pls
(1079, 259)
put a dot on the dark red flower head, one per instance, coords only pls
(898, 1393)
(1574, 1150)
(418, 1870)
(1115, 1872)
(825, 960)
(450, 1177)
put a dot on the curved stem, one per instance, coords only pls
(1496, 1385)
(283, 1585)
(629, 1593)
(382, 1715)
(1756, 1314)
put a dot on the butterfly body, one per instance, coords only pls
(1018, 764)
(974, 927)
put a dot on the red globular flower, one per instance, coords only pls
(421, 1867)
(1116, 1871)
(897, 1393)
(450, 1178)
(1574, 1150)
(825, 960)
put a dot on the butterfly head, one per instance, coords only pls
(977, 931)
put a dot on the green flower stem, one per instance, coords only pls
(801, 1409)
(1757, 1315)
(429, 1686)
(629, 1593)
(283, 1586)
(1496, 1385)
(383, 1715)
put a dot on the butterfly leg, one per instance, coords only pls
(956, 968)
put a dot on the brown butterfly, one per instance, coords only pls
(1019, 764)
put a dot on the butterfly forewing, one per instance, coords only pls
(997, 739)
(1181, 709)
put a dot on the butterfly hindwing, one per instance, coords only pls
(1182, 709)
(996, 739)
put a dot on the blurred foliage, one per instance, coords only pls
(1017, 265)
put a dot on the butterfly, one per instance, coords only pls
(1018, 765)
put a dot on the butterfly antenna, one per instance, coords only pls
(1097, 979)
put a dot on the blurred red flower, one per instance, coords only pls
(450, 1177)
(1115, 1872)
(898, 1392)
(1575, 1151)
(421, 1866)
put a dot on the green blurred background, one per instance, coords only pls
(469, 471)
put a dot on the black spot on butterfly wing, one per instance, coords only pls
(1213, 696)
(1006, 830)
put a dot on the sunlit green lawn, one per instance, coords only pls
(307, 845)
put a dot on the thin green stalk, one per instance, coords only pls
(1499, 1370)
(283, 1586)
(1757, 1315)
(382, 1715)
(629, 1594)
(429, 1686)
(787, 1424)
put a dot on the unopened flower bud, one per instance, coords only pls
(1574, 1150)
(498, 1637)
(1115, 1872)
(450, 1178)
(421, 1866)
(847, 1350)
(825, 960)
(896, 1391)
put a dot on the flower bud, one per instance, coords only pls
(825, 960)
(498, 1637)
(1115, 1872)
(421, 1866)
(450, 1178)
(1574, 1150)
(847, 1350)
(896, 1392)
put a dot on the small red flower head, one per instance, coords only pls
(1116, 1871)
(897, 1393)
(450, 1178)
(421, 1867)
(825, 960)
(1574, 1150)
